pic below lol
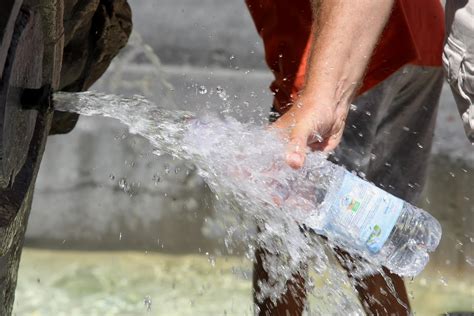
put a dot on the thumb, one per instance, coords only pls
(297, 146)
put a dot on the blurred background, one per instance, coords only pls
(114, 232)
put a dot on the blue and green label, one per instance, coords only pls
(363, 212)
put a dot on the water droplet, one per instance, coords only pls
(212, 260)
(318, 137)
(353, 107)
(147, 302)
(120, 236)
(156, 178)
(222, 93)
(406, 129)
(202, 90)
(419, 145)
(232, 57)
(111, 177)
(124, 185)
(443, 281)
(470, 261)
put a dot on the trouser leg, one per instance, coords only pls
(388, 139)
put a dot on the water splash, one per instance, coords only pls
(243, 164)
(139, 70)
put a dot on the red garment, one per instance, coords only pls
(414, 34)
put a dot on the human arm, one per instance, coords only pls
(346, 33)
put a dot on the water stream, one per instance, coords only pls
(243, 165)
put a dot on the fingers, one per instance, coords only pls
(306, 128)
(331, 144)
(333, 141)
(297, 146)
(328, 144)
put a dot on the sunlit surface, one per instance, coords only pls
(132, 283)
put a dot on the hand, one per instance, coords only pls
(346, 33)
(313, 124)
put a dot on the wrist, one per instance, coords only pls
(315, 100)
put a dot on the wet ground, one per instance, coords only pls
(77, 283)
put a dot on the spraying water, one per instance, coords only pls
(243, 165)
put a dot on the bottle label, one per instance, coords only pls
(363, 212)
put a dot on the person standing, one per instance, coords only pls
(384, 57)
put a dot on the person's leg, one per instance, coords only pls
(291, 303)
(381, 293)
(388, 139)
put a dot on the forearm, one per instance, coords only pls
(346, 33)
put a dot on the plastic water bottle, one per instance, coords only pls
(379, 226)
(351, 212)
